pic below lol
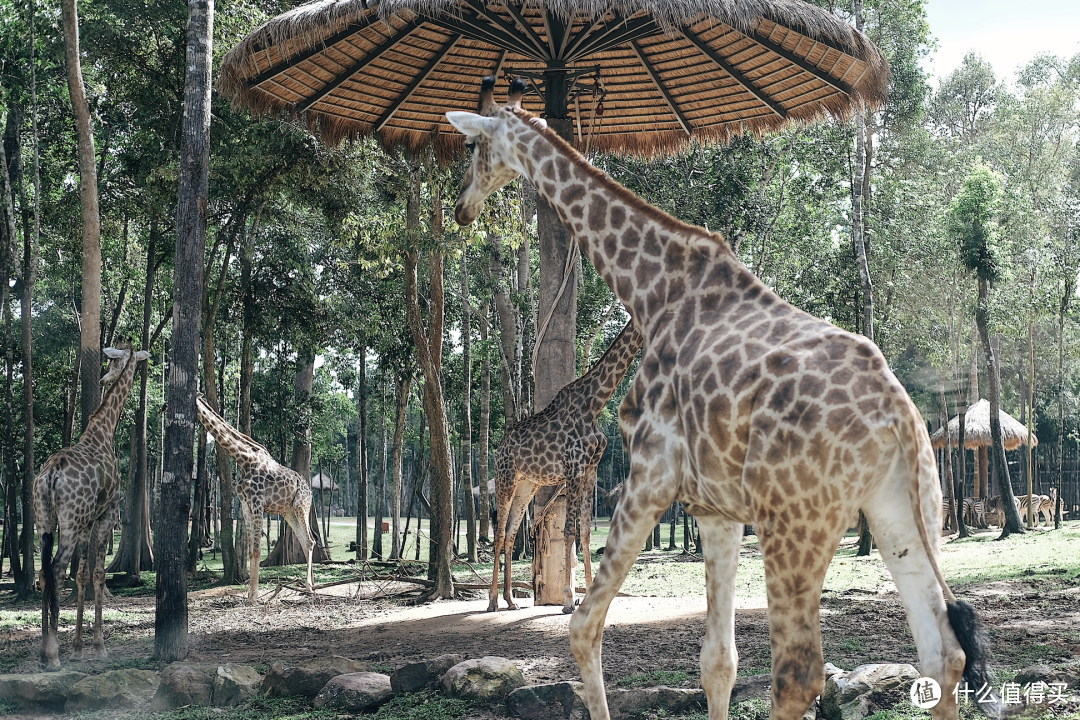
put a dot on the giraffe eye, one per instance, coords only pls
(470, 145)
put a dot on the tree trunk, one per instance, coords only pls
(362, 458)
(239, 573)
(89, 349)
(485, 423)
(554, 367)
(950, 491)
(171, 621)
(1063, 309)
(466, 402)
(135, 555)
(993, 366)
(961, 481)
(403, 385)
(509, 345)
(429, 351)
(380, 493)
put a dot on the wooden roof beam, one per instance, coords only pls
(428, 69)
(615, 33)
(359, 65)
(534, 38)
(348, 32)
(660, 86)
(805, 65)
(477, 27)
(523, 37)
(734, 73)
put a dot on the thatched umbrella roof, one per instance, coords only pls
(977, 429)
(664, 71)
(322, 481)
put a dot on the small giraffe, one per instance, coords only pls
(746, 410)
(560, 444)
(77, 493)
(265, 486)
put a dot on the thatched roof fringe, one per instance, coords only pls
(977, 430)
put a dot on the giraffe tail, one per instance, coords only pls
(964, 621)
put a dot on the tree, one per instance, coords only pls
(972, 225)
(170, 619)
(89, 349)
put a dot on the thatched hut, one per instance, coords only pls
(977, 430)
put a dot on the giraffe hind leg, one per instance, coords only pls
(298, 521)
(524, 493)
(719, 658)
(98, 546)
(82, 578)
(504, 500)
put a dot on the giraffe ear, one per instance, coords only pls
(141, 355)
(472, 125)
(113, 353)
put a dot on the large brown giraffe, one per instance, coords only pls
(560, 444)
(265, 486)
(747, 411)
(77, 494)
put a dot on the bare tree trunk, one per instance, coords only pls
(429, 351)
(508, 336)
(1063, 309)
(485, 423)
(171, 621)
(961, 411)
(950, 491)
(1001, 464)
(403, 385)
(362, 458)
(91, 221)
(466, 420)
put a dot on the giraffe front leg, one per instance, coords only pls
(504, 500)
(98, 546)
(647, 495)
(570, 535)
(253, 523)
(524, 494)
(722, 540)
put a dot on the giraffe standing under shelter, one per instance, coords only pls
(265, 486)
(76, 495)
(746, 410)
(560, 444)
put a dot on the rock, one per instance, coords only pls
(866, 689)
(233, 684)
(39, 691)
(355, 692)
(673, 701)
(484, 680)
(562, 700)
(341, 664)
(282, 680)
(113, 689)
(422, 675)
(184, 684)
(831, 670)
(1035, 673)
(751, 686)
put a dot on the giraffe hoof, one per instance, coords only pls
(511, 606)
(493, 607)
(568, 609)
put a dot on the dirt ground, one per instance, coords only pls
(1031, 621)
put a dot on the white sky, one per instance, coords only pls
(1008, 33)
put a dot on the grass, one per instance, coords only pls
(671, 678)
(25, 619)
(8, 707)
(423, 706)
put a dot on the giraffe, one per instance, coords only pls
(265, 486)
(77, 493)
(560, 444)
(746, 410)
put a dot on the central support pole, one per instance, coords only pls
(557, 354)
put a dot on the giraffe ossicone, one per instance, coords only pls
(561, 444)
(76, 498)
(265, 486)
(746, 410)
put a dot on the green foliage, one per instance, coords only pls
(671, 678)
(972, 223)
(423, 706)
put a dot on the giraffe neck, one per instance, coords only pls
(237, 445)
(102, 423)
(600, 382)
(648, 258)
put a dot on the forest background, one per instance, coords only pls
(306, 336)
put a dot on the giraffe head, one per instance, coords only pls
(119, 357)
(492, 137)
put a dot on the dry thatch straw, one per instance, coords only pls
(977, 430)
(673, 73)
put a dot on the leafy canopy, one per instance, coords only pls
(971, 222)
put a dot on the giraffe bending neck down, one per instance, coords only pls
(265, 486)
(560, 444)
(747, 411)
(77, 494)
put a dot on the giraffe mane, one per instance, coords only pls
(626, 196)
